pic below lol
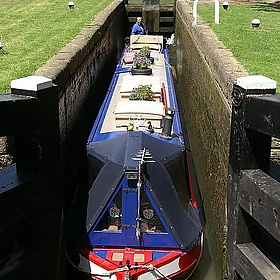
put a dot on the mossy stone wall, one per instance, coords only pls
(82, 70)
(206, 72)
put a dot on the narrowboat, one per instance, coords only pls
(139, 219)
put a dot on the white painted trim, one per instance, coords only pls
(89, 267)
(32, 83)
(140, 107)
(130, 82)
(256, 82)
(166, 270)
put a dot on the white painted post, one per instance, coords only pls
(217, 12)
(195, 12)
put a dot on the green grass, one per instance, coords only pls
(258, 50)
(33, 31)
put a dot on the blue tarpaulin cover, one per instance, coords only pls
(114, 157)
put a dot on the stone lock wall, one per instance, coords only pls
(82, 71)
(77, 66)
(206, 71)
(47, 131)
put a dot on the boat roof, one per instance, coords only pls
(130, 82)
(115, 149)
(118, 111)
(140, 107)
(117, 155)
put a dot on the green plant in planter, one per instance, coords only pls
(145, 51)
(134, 96)
(142, 92)
(141, 62)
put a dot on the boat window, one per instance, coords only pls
(121, 223)
(150, 221)
(182, 187)
(112, 218)
(94, 167)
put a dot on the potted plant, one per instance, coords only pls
(145, 51)
(141, 62)
(141, 65)
(142, 92)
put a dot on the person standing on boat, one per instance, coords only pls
(138, 28)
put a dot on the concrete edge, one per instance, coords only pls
(57, 67)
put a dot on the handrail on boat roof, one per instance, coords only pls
(152, 40)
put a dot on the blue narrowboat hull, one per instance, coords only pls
(139, 219)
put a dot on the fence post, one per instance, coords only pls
(249, 164)
(243, 143)
(37, 151)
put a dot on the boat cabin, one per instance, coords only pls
(132, 200)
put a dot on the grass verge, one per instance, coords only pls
(257, 49)
(33, 31)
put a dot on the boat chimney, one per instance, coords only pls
(167, 124)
